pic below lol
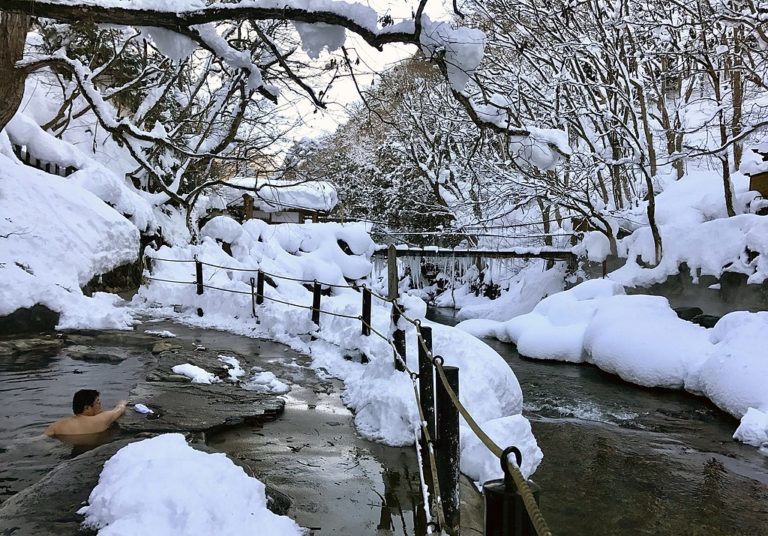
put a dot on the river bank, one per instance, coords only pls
(622, 459)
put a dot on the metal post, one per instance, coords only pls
(260, 288)
(316, 304)
(199, 280)
(366, 311)
(199, 276)
(253, 297)
(505, 511)
(448, 449)
(427, 397)
(398, 338)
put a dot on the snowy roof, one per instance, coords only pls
(271, 195)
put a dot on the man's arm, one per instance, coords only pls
(108, 417)
(117, 411)
(51, 430)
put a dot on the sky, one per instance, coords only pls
(343, 92)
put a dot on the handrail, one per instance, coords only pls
(527, 495)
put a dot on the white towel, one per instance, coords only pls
(141, 408)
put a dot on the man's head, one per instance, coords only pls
(86, 402)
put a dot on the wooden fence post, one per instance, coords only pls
(316, 304)
(448, 448)
(392, 276)
(253, 297)
(247, 207)
(260, 288)
(398, 338)
(366, 311)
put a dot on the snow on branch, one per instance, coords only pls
(458, 51)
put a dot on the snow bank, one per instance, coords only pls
(642, 340)
(162, 486)
(381, 397)
(526, 289)
(738, 244)
(695, 230)
(55, 237)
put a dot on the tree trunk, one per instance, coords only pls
(13, 34)
(651, 212)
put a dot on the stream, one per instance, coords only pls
(618, 458)
(623, 459)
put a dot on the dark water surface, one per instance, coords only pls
(339, 483)
(622, 459)
(618, 459)
(36, 389)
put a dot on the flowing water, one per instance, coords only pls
(622, 459)
(618, 459)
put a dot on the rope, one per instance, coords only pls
(284, 277)
(172, 281)
(525, 492)
(422, 483)
(530, 503)
(432, 462)
(276, 276)
(227, 268)
(169, 260)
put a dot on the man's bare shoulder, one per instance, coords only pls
(60, 427)
(81, 424)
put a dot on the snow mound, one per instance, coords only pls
(481, 465)
(736, 376)
(195, 373)
(266, 382)
(164, 487)
(641, 339)
(55, 237)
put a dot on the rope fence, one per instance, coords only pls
(440, 475)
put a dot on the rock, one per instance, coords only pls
(50, 506)
(164, 346)
(182, 407)
(36, 319)
(46, 343)
(688, 313)
(707, 321)
(97, 355)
